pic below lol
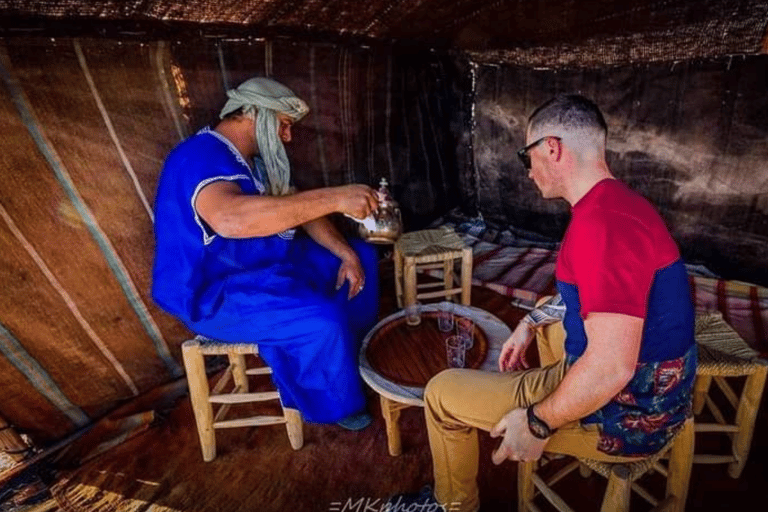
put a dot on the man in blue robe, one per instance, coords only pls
(231, 263)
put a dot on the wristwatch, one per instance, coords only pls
(536, 425)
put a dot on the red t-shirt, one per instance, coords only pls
(614, 245)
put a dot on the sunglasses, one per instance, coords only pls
(525, 157)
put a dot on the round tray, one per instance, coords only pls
(410, 356)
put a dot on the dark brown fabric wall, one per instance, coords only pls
(690, 136)
(86, 127)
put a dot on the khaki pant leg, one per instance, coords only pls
(550, 340)
(457, 402)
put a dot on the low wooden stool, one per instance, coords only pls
(622, 478)
(431, 249)
(723, 355)
(203, 398)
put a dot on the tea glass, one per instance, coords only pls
(413, 314)
(465, 330)
(445, 317)
(455, 351)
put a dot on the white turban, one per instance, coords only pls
(268, 97)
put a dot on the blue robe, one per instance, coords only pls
(277, 291)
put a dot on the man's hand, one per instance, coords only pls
(351, 270)
(513, 351)
(357, 201)
(518, 443)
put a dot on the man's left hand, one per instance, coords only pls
(351, 270)
(518, 443)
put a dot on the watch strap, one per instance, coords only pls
(537, 426)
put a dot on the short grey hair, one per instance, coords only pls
(571, 117)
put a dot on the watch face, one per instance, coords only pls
(537, 427)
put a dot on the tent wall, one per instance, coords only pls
(86, 126)
(690, 136)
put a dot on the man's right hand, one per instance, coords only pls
(357, 201)
(517, 443)
(512, 355)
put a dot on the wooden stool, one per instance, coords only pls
(723, 354)
(431, 249)
(622, 478)
(193, 352)
(11, 443)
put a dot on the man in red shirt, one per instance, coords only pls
(621, 385)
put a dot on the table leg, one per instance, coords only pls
(466, 276)
(391, 412)
(398, 257)
(409, 282)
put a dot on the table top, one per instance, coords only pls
(495, 331)
(412, 355)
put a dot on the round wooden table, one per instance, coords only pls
(397, 389)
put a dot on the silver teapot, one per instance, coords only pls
(384, 225)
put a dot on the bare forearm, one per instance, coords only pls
(585, 389)
(325, 233)
(233, 214)
(249, 216)
(607, 365)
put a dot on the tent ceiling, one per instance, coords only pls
(501, 30)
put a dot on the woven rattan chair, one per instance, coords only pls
(203, 397)
(723, 356)
(622, 478)
(428, 249)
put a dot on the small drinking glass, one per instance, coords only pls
(465, 330)
(445, 317)
(455, 351)
(413, 314)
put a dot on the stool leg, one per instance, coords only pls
(391, 412)
(746, 414)
(700, 390)
(680, 463)
(448, 277)
(409, 282)
(198, 395)
(294, 426)
(398, 257)
(617, 493)
(466, 276)
(237, 361)
(525, 487)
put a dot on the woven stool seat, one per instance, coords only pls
(431, 249)
(634, 469)
(211, 347)
(717, 363)
(721, 349)
(723, 354)
(622, 477)
(225, 396)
